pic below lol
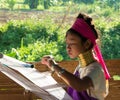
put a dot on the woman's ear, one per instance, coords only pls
(88, 44)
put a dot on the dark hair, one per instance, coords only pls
(88, 20)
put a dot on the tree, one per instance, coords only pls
(84, 1)
(46, 4)
(11, 3)
(32, 3)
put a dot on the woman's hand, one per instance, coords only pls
(48, 60)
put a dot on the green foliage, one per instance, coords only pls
(110, 37)
(32, 3)
(34, 52)
(46, 3)
(110, 3)
(116, 77)
(11, 3)
(84, 1)
(29, 40)
(16, 30)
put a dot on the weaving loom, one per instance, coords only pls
(40, 83)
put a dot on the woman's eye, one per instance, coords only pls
(70, 44)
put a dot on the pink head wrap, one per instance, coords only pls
(85, 30)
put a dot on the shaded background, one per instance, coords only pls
(30, 29)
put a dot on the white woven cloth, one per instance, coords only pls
(40, 83)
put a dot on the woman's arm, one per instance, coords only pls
(70, 79)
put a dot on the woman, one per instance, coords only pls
(90, 77)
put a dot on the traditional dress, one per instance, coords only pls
(99, 89)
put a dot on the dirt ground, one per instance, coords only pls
(6, 15)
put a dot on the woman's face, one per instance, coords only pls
(74, 45)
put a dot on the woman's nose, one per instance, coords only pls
(68, 46)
